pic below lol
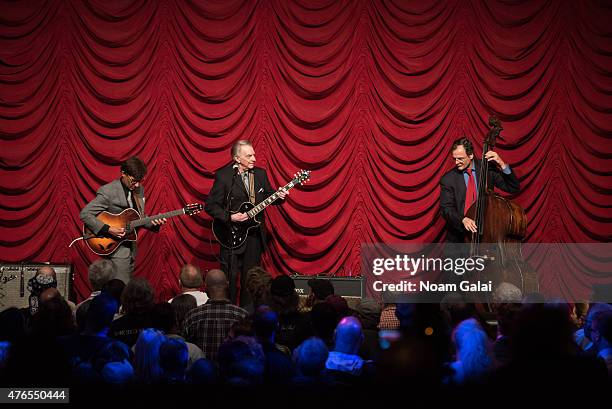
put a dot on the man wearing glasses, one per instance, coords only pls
(459, 187)
(114, 197)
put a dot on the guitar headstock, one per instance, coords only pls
(301, 177)
(193, 208)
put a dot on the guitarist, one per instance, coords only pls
(247, 184)
(114, 197)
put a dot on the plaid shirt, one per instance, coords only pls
(388, 319)
(208, 325)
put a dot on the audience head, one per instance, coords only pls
(368, 310)
(324, 320)
(283, 298)
(137, 297)
(54, 318)
(242, 327)
(181, 305)
(310, 357)
(47, 271)
(101, 312)
(601, 330)
(241, 361)
(173, 359)
(146, 355)
(588, 321)
(542, 331)
(49, 294)
(265, 323)
(190, 277)
(472, 348)
(348, 336)
(12, 325)
(114, 288)
(101, 272)
(319, 290)
(164, 318)
(203, 372)
(258, 282)
(339, 304)
(44, 279)
(579, 312)
(507, 293)
(112, 363)
(216, 284)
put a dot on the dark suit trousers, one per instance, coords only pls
(242, 260)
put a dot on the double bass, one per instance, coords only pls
(501, 227)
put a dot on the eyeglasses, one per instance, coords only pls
(132, 180)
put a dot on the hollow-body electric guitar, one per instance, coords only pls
(130, 220)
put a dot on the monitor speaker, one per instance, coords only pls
(348, 287)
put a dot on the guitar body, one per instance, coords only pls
(232, 235)
(108, 244)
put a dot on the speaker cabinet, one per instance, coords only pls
(344, 286)
(14, 282)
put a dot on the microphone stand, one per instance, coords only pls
(228, 207)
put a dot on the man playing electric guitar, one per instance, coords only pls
(114, 197)
(235, 184)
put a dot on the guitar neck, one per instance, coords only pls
(146, 220)
(271, 199)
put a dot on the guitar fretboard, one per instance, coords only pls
(142, 222)
(272, 198)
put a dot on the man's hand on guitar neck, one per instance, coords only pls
(158, 222)
(282, 194)
(239, 217)
(118, 232)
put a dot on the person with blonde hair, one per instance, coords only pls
(473, 356)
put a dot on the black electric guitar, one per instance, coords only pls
(232, 235)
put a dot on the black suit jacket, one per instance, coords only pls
(452, 197)
(220, 195)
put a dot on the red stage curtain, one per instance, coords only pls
(366, 94)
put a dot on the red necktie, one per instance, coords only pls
(470, 192)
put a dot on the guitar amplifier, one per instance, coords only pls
(350, 287)
(14, 282)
